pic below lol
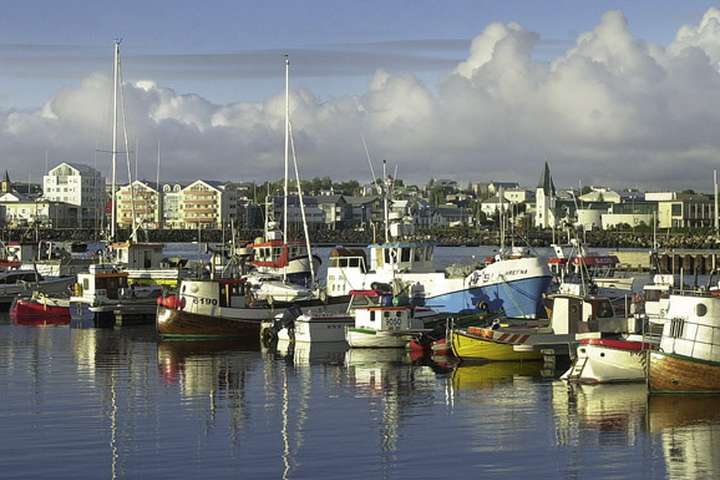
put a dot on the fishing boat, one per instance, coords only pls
(613, 358)
(104, 298)
(14, 283)
(145, 263)
(230, 308)
(688, 360)
(41, 309)
(610, 358)
(383, 326)
(573, 311)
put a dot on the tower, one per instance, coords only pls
(5, 185)
(545, 200)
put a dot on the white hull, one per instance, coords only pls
(376, 339)
(320, 329)
(51, 287)
(600, 364)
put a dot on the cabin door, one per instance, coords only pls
(575, 309)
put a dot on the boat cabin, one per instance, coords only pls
(276, 254)
(692, 328)
(102, 281)
(414, 257)
(573, 314)
(387, 318)
(138, 256)
(657, 297)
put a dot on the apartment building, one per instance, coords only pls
(79, 185)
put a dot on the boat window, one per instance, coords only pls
(418, 254)
(428, 253)
(700, 309)
(677, 327)
(343, 262)
(404, 254)
(398, 314)
(372, 316)
(652, 295)
(604, 309)
(387, 255)
(277, 251)
(386, 314)
(355, 262)
(334, 263)
(86, 284)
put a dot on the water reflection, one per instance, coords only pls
(689, 429)
(599, 414)
(491, 374)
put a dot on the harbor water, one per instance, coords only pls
(118, 403)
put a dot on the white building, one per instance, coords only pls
(208, 204)
(171, 216)
(144, 201)
(78, 185)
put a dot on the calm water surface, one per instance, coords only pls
(118, 403)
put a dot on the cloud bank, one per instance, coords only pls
(611, 109)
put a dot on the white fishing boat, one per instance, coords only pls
(383, 327)
(103, 298)
(145, 263)
(614, 358)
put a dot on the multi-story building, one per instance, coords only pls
(687, 211)
(144, 200)
(78, 185)
(208, 204)
(42, 213)
(171, 216)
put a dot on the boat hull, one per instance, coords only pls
(520, 298)
(366, 338)
(321, 329)
(51, 287)
(32, 313)
(467, 346)
(606, 364)
(179, 324)
(677, 374)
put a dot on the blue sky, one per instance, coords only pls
(46, 45)
(470, 90)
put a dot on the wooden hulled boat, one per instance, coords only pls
(688, 360)
(481, 343)
(228, 308)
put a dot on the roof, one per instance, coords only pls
(357, 200)
(80, 167)
(546, 181)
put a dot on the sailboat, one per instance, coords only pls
(104, 295)
(237, 307)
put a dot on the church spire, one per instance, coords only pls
(5, 185)
(546, 182)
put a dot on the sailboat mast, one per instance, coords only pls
(385, 202)
(114, 138)
(287, 148)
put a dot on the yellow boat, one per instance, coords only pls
(470, 346)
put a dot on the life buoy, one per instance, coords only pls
(323, 296)
(482, 306)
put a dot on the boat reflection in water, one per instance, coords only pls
(491, 374)
(599, 414)
(689, 428)
(308, 353)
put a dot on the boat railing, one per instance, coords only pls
(714, 333)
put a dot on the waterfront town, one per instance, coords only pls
(74, 199)
(494, 250)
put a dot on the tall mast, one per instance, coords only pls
(114, 137)
(287, 146)
(157, 187)
(385, 202)
(287, 153)
(717, 219)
